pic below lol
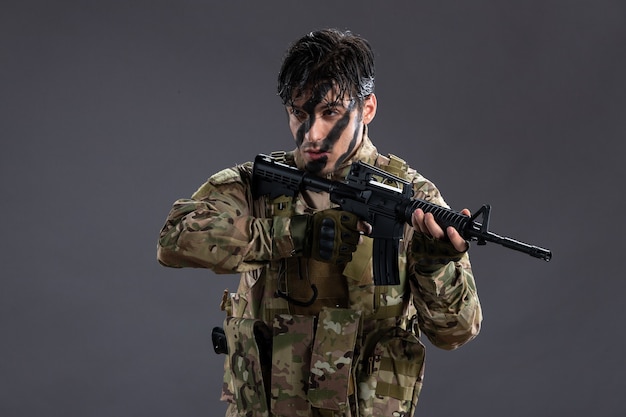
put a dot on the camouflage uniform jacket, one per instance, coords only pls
(375, 364)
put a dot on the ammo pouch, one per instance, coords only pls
(312, 366)
(249, 347)
(330, 381)
(390, 373)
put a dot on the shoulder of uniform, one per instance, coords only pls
(225, 176)
(238, 174)
(397, 166)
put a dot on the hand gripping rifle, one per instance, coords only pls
(366, 193)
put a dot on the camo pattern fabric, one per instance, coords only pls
(221, 227)
(247, 347)
(390, 373)
(291, 361)
(215, 228)
(332, 357)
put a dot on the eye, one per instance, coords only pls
(332, 111)
(298, 114)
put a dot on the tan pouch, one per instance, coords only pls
(248, 353)
(291, 362)
(331, 359)
(390, 373)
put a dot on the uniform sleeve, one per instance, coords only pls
(444, 291)
(216, 229)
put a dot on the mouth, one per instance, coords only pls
(315, 154)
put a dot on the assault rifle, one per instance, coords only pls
(383, 200)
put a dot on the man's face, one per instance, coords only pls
(327, 129)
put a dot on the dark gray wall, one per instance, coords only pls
(112, 110)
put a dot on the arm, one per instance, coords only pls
(441, 279)
(217, 228)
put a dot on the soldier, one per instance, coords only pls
(308, 333)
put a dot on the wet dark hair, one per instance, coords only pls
(324, 58)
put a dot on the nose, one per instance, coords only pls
(316, 130)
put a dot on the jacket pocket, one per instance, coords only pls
(390, 373)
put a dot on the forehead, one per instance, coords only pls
(324, 95)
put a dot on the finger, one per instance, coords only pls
(418, 221)
(364, 228)
(433, 227)
(457, 240)
(466, 212)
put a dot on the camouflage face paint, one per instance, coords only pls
(309, 108)
(351, 146)
(326, 128)
(333, 136)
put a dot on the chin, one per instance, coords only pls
(317, 166)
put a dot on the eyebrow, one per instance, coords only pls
(336, 103)
(323, 104)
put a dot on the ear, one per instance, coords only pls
(369, 109)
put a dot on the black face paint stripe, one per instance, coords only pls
(337, 130)
(309, 108)
(351, 147)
